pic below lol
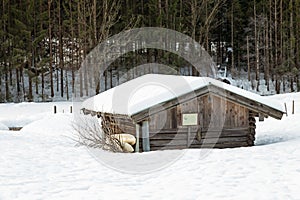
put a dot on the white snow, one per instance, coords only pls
(3, 127)
(20, 114)
(288, 128)
(152, 89)
(42, 162)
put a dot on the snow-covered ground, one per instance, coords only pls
(42, 162)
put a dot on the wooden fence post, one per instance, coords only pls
(285, 109)
(54, 109)
(293, 107)
(71, 110)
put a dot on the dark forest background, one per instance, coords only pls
(43, 42)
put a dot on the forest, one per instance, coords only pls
(43, 42)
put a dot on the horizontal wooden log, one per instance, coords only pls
(203, 129)
(155, 148)
(183, 134)
(221, 140)
(167, 142)
(224, 134)
(217, 129)
(175, 130)
(183, 142)
(172, 136)
(251, 136)
(220, 146)
(207, 135)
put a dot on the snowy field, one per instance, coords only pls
(42, 162)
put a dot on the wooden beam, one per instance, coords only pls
(285, 109)
(145, 134)
(261, 117)
(188, 137)
(137, 135)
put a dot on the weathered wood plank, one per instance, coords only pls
(156, 143)
(171, 136)
(224, 134)
(221, 146)
(145, 133)
(203, 129)
(249, 103)
(221, 140)
(137, 135)
(207, 145)
(210, 134)
(168, 148)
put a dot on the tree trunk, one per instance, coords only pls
(50, 49)
(232, 39)
(61, 55)
(7, 94)
(85, 78)
(34, 53)
(271, 62)
(30, 97)
(267, 56)
(23, 84)
(18, 82)
(43, 87)
(67, 86)
(248, 59)
(256, 38)
(80, 83)
(292, 45)
(95, 21)
(276, 47)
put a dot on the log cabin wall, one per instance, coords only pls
(213, 111)
(221, 124)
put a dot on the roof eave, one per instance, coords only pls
(247, 102)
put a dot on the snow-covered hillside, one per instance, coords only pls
(42, 162)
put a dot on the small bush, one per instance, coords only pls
(90, 133)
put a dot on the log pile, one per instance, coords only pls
(117, 124)
(120, 128)
(252, 126)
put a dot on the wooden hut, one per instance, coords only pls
(176, 112)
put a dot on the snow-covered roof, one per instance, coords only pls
(149, 90)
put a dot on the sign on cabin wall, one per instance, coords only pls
(189, 119)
